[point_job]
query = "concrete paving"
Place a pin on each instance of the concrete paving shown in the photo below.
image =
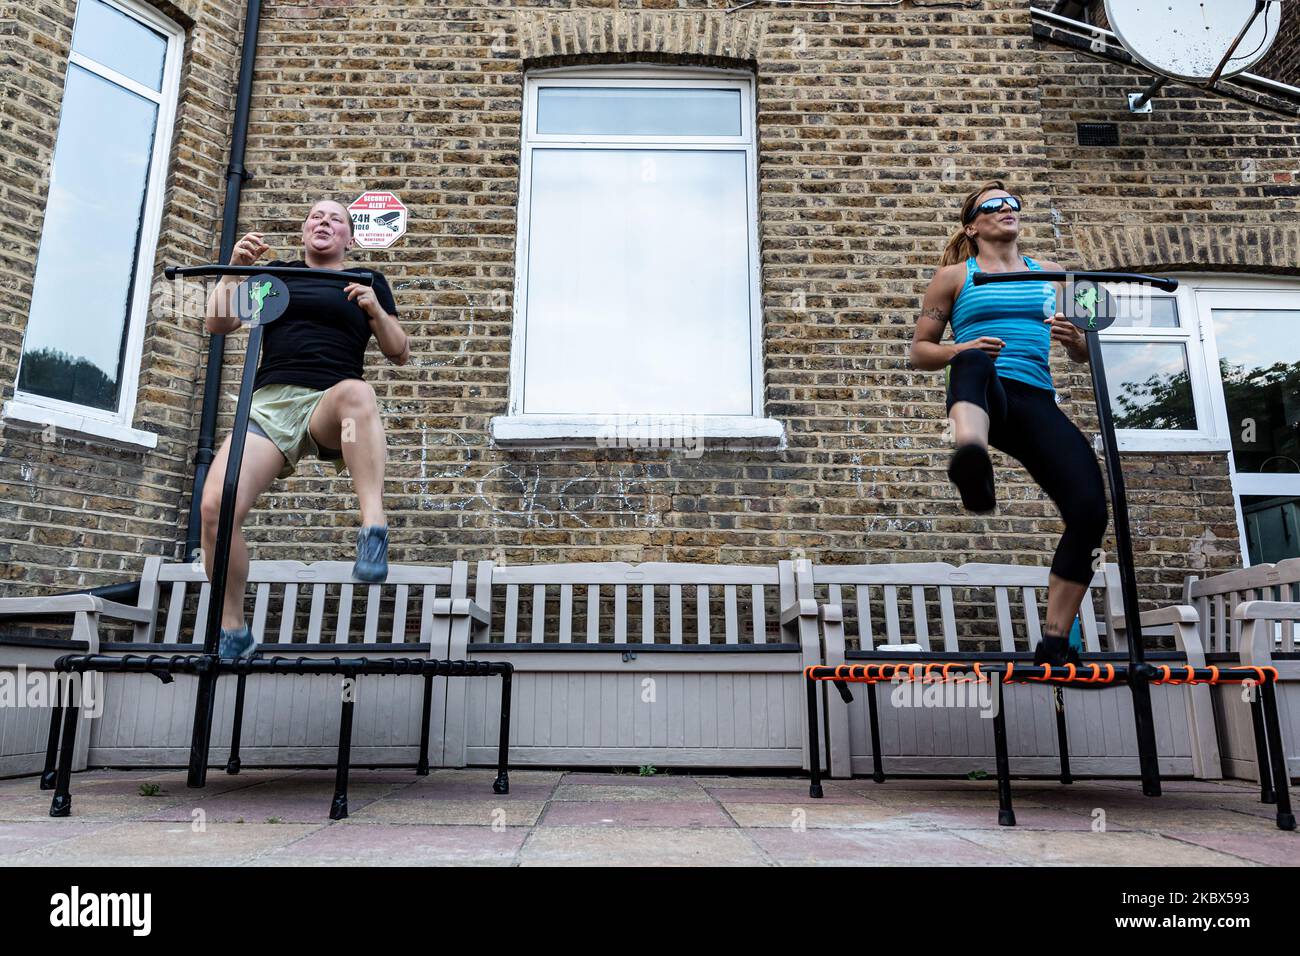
(557, 818)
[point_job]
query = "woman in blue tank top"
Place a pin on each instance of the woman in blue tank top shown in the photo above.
(1000, 392)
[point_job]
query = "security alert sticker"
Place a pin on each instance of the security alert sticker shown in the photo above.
(378, 220)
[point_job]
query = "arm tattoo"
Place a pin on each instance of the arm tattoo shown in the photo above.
(935, 312)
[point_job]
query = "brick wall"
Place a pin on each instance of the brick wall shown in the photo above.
(78, 512)
(872, 125)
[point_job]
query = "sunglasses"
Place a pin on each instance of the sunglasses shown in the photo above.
(993, 205)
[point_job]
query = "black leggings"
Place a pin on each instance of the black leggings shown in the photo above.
(1025, 422)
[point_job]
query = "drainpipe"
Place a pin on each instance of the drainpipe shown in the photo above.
(236, 174)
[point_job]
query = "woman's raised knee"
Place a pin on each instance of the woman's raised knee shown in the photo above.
(973, 360)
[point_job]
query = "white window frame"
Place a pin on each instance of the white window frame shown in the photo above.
(117, 424)
(1222, 293)
(1189, 334)
(516, 427)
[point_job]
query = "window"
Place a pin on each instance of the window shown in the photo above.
(1156, 375)
(1253, 337)
(81, 351)
(1216, 367)
(637, 294)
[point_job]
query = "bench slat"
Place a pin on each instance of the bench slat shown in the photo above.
(620, 614)
(760, 613)
(730, 614)
(866, 633)
(317, 617)
(374, 599)
(1088, 622)
(288, 611)
(648, 613)
(539, 614)
(566, 613)
(175, 609)
(919, 620)
(893, 635)
(428, 596)
(949, 618)
(1030, 598)
(1005, 632)
(344, 623)
(402, 595)
(674, 614)
(512, 614)
(702, 612)
(593, 614)
(260, 603)
(201, 614)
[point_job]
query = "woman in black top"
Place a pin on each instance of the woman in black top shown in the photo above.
(309, 397)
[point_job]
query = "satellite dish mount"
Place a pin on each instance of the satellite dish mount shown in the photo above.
(1195, 41)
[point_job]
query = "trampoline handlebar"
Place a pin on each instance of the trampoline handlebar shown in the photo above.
(1042, 275)
(217, 269)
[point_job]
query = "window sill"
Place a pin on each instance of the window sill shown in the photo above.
(80, 424)
(691, 435)
(1190, 444)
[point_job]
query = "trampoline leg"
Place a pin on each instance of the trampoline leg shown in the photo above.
(232, 764)
(1062, 739)
(201, 735)
(1261, 748)
(422, 765)
(339, 807)
(814, 752)
(1281, 783)
(52, 742)
(1006, 815)
(877, 764)
(61, 805)
(502, 782)
(1144, 721)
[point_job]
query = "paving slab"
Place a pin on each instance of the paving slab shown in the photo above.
(1041, 848)
(814, 814)
(1278, 848)
(639, 846)
(635, 813)
(604, 792)
(384, 844)
(162, 844)
(501, 811)
(784, 795)
(817, 847)
(470, 790)
(20, 837)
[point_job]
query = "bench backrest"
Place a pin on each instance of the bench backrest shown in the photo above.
(619, 603)
(1216, 596)
(947, 608)
(297, 603)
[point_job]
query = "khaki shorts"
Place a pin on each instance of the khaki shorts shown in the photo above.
(282, 414)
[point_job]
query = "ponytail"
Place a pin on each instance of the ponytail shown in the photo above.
(960, 246)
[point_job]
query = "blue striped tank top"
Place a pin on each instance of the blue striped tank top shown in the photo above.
(1013, 312)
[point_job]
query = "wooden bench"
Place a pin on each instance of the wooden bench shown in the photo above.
(688, 665)
(985, 633)
(1247, 615)
(403, 627)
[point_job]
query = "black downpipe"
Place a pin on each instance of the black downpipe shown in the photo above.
(236, 175)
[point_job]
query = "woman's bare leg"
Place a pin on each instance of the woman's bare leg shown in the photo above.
(262, 462)
(1063, 600)
(970, 424)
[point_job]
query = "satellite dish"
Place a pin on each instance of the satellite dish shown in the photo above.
(1188, 39)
